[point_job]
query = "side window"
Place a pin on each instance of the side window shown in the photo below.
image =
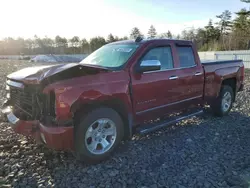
(186, 56)
(163, 54)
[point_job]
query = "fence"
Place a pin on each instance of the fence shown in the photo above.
(227, 55)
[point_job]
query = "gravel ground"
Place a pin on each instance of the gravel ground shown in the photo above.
(200, 152)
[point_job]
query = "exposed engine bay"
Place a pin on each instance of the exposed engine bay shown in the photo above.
(25, 91)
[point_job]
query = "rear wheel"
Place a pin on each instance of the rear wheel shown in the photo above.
(224, 102)
(97, 134)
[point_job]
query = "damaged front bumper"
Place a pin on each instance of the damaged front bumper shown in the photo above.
(55, 137)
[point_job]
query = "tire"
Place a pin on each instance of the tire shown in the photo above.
(88, 147)
(219, 108)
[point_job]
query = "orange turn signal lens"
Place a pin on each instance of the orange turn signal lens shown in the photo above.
(62, 105)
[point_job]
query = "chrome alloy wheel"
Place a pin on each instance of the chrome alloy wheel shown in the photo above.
(226, 101)
(100, 136)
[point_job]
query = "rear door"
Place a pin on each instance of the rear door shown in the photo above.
(191, 76)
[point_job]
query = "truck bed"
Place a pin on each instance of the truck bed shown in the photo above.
(218, 70)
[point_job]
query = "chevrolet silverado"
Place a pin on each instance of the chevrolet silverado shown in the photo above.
(123, 88)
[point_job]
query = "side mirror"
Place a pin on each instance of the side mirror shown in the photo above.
(149, 65)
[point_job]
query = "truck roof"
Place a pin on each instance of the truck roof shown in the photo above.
(148, 41)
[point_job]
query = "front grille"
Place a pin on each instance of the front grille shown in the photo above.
(29, 103)
(23, 100)
(50, 104)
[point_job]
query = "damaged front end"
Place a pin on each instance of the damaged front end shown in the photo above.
(32, 113)
(28, 102)
(39, 112)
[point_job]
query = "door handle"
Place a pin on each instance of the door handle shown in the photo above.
(173, 77)
(198, 73)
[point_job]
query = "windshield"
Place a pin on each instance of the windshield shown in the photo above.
(111, 56)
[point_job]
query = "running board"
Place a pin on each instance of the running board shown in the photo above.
(155, 126)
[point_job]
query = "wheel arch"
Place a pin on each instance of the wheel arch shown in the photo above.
(81, 108)
(232, 83)
(227, 76)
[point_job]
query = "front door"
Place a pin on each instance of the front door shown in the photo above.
(154, 91)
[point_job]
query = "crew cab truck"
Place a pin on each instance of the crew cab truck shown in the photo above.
(123, 88)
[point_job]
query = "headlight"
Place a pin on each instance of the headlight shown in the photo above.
(8, 95)
(7, 88)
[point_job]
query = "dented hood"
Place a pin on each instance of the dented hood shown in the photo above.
(52, 73)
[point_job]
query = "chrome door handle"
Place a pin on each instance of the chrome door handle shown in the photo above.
(198, 73)
(173, 77)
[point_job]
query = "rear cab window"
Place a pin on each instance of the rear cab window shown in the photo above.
(186, 56)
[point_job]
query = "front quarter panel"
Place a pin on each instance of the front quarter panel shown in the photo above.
(71, 95)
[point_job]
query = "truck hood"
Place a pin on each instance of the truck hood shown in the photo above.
(52, 73)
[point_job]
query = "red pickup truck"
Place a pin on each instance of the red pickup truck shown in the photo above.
(123, 88)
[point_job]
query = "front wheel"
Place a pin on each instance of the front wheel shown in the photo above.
(224, 102)
(97, 134)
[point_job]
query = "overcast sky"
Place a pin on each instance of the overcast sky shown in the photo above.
(26, 18)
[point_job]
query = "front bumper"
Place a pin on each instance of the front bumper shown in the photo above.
(58, 138)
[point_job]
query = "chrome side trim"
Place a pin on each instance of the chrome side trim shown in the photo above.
(14, 84)
(165, 105)
(171, 69)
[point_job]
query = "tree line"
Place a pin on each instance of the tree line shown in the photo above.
(58, 45)
(61, 45)
(225, 34)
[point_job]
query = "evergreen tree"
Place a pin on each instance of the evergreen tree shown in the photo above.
(224, 23)
(96, 43)
(246, 1)
(85, 46)
(111, 38)
(152, 32)
(169, 34)
(135, 33)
